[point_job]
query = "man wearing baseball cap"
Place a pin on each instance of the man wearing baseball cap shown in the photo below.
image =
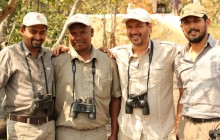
(146, 75)
(26, 74)
(198, 74)
(87, 87)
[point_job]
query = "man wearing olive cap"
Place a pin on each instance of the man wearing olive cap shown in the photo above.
(26, 74)
(197, 68)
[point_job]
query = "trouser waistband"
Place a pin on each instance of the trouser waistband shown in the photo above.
(200, 120)
(26, 119)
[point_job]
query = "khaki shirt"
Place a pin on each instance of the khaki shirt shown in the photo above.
(200, 80)
(106, 86)
(160, 121)
(15, 78)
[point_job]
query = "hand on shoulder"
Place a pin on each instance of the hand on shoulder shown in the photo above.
(60, 49)
(106, 50)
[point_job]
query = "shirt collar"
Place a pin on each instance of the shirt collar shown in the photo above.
(75, 55)
(131, 54)
(210, 42)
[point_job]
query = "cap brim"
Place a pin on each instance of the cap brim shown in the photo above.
(35, 24)
(126, 19)
(196, 15)
(69, 24)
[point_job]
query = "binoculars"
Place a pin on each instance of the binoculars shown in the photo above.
(78, 106)
(41, 103)
(214, 134)
(135, 102)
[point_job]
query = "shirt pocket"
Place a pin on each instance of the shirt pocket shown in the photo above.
(156, 74)
(102, 84)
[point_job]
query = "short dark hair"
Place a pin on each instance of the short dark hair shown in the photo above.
(205, 17)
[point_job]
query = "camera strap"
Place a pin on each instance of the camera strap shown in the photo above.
(29, 70)
(148, 74)
(93, 77)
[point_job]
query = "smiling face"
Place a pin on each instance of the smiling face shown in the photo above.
(34, 36)
(80, 36)
(194, 28)
(138, 32)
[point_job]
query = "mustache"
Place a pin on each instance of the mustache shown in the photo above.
(135, 35)
(37, 39)
(196, 30)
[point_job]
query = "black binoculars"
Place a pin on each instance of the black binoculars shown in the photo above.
(214, 134)
(135, 102)
(41, 103)
(78, 106)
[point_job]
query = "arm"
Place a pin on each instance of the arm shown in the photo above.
(115, 107)
(115, 104)
(179, 111)
(108, 51)
(5, 67)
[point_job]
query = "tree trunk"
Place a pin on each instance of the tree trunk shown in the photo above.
(113, 26)
(73, 11)
(8, 9)
(3, 29)
(3, 32)
(104, 41)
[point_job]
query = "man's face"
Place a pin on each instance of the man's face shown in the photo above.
(34, 36)
(194, 28)
(80, 36)
(138, 32)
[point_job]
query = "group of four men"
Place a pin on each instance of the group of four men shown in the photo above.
(135, 91)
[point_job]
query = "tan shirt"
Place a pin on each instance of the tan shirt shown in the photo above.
(106, 86)
(15, 79)
(160, 121)
(200, 80)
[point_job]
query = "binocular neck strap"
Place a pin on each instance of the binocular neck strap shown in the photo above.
(29, 70)
(93, 77)
(148, 74)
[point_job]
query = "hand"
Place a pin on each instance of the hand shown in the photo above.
(177, 137)
(106, 50)
(60, 49)
(176, 134)
(113, 137)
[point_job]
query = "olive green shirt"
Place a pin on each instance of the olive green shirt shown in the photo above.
(106, 86)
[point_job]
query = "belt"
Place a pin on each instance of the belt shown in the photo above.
(34, 121)
(199, 120)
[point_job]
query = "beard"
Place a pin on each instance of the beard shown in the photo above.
(197, 39)
(36, 43)
(136, 39)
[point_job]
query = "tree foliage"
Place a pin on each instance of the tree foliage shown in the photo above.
(213, 11)
(57, 12)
